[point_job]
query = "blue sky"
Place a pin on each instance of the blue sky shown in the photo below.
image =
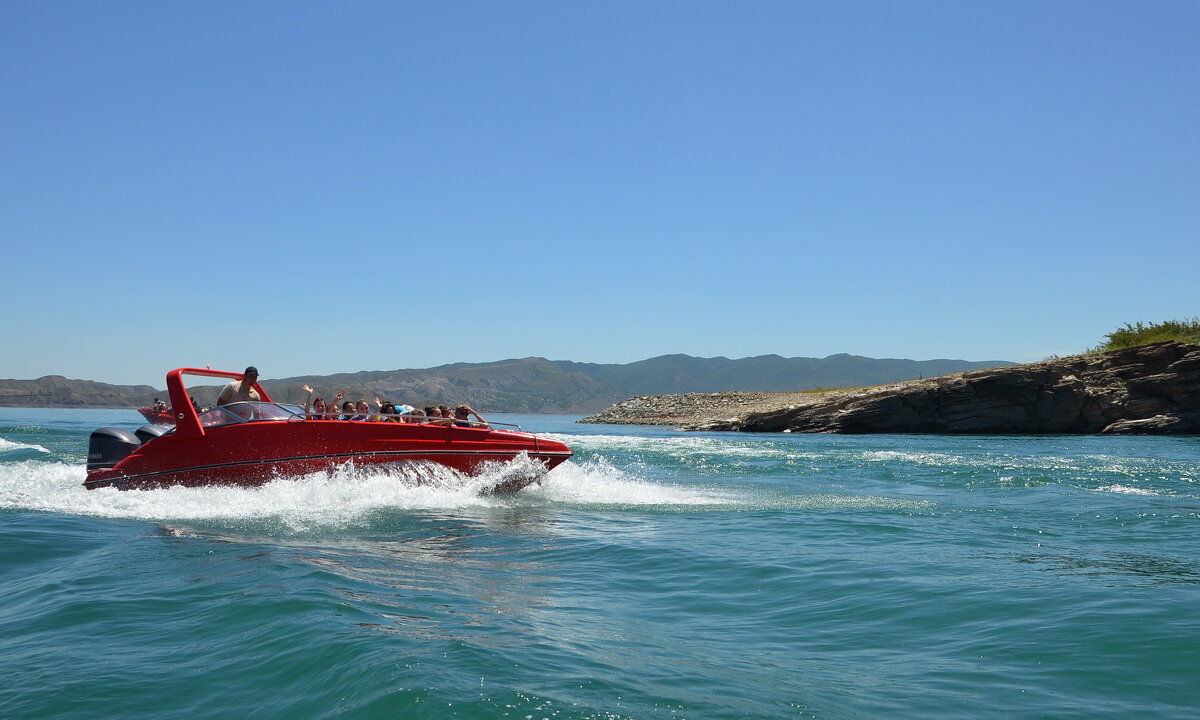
(334, 187)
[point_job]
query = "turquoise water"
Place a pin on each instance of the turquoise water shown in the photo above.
(657, 574)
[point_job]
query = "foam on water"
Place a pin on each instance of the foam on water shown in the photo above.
(598, 481)
(347, 497)
(1127, 490)
(340, 498)
(681, 445)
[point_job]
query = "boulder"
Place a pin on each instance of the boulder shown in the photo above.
(1188, 424)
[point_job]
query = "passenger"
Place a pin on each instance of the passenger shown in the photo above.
(461, 415)
(318, 409)
(416, 416)
(380, 406)
(387, 413)
(364, 411)
(240, 390)
(434, 417)
(349, 411)
(310, 404)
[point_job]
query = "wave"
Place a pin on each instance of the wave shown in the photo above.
(729, 447)
(11, 451)
(336, 497)
(24, 429)
(1128, 490)
(7, 445)
(987, 468)
(599, 482)
(356, 500)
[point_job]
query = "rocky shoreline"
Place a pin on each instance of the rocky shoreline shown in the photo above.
(1150, 389)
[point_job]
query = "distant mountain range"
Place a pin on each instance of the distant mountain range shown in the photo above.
(534, 385)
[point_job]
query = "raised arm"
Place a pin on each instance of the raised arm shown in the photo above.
(478, 417)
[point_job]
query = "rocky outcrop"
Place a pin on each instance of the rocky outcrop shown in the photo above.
(1151, 389)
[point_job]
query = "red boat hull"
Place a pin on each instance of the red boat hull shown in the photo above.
(255, 453)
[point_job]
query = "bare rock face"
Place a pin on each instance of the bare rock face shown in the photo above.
(1151, 389)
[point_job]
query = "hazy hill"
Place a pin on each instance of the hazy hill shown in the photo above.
(58, 391)
(527, 384)
(765, 373)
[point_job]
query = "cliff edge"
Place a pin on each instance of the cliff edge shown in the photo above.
(1149, 389)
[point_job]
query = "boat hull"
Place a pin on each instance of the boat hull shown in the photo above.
(253, 454)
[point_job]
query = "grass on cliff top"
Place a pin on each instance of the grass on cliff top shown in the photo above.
(1131, 335)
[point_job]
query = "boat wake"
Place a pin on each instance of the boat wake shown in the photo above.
(597, 482)
(337, 496)
(347, 498)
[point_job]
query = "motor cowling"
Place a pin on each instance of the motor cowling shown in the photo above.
(146, 433)
(109, 446)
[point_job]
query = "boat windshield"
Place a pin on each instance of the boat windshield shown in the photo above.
(240, 412)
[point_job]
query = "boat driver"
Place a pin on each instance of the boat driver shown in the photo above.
(240, 390)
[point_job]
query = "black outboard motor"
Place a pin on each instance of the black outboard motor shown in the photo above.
(109, 446)
(146, 433)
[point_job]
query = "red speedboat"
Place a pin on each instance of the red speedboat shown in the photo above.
(158, 414)
(252, 443)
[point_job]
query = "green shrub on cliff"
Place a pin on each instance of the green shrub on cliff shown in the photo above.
(1142, 334)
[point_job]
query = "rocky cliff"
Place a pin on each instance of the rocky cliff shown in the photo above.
(1151, 389)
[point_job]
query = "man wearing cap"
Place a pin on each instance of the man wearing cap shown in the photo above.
(240, 390)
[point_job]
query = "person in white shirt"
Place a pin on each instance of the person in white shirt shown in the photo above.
(240, 390)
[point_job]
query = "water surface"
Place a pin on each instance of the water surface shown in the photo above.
(657, 574)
